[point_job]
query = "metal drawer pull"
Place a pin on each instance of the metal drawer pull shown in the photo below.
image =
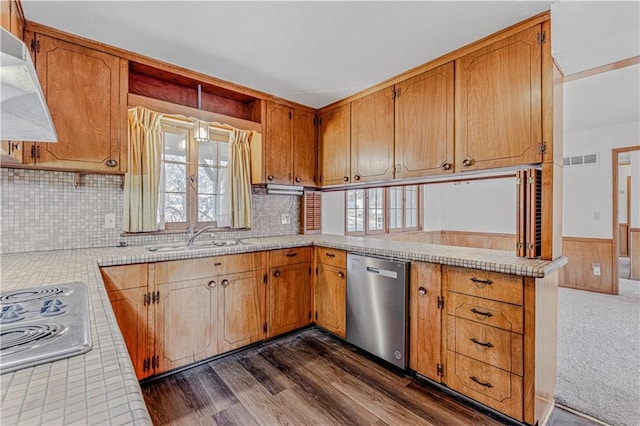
(291, 254)
(485, 384)
(477, 342)
(217, 264)
(330, 255)
(479, 281)
(225, 283)
(341, 274)
(276, 274)
(211, 284)
(486, 314)
(422, 291)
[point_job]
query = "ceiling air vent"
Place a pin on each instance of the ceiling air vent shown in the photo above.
(581, 160)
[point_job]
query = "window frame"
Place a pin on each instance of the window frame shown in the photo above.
(184, 127)
(386, 194)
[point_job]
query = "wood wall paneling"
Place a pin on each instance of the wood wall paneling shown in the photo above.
(634, 252)
(623, 238)
(582, 254)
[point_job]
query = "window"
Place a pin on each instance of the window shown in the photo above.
(194, 180)
(383, 210)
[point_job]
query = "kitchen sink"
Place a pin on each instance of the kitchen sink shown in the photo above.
(197, 245)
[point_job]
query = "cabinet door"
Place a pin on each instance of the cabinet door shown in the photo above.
(334, 137)
(82, 89)
(498, 104)
(127, 289)
(186, 326)
(289, 298)
(425, 320)
(304, 148)
(132, 315)
(242, 310)
(279, 149)
(424, 124)
(372, 128)
(331, 299)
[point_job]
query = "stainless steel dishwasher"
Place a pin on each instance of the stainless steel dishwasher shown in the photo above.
(377, 306)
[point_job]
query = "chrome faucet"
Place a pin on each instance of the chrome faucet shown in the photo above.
(192, 235)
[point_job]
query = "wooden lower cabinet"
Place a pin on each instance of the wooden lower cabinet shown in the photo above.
(127, 290)
(186, 328)
(241, 304)
(330, 298)
(290, 290)
(499, 333)
(425, 344)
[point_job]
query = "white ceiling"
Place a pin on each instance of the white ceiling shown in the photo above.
(313, 53)
(602, 100)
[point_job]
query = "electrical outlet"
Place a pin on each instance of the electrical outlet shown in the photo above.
(596, 269)
(285, 219)
(109, 221)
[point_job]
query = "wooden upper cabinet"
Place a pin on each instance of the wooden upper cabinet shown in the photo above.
(279, 151)
(498, 104)
(372, 134)
(82, 89)
(424, 124)
(334, 136)
(304, 148)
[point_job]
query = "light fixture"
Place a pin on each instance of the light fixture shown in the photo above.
(200, 128)
(23, 110)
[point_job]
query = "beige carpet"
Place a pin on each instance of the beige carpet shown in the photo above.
(599, 353)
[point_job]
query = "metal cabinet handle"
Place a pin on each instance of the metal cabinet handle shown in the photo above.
(276, 274)
(486, 314)
(446, 166)
(225, 283)
(270, 177)
(467, 162)
(330, 254)
(477, 342)
(298, 179)
(479, 281)
(485, 384)
(211, 284)
(341, 274)
(346, 178)
(294, 254)
(357, 177)
(422, 291)
(111, 163)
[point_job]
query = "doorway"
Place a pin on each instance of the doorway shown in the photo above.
(626, 220)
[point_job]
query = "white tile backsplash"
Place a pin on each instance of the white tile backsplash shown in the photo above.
(42, 210)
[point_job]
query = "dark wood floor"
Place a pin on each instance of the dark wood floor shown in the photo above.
(310, 378)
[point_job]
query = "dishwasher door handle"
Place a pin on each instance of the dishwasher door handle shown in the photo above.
(373, 270)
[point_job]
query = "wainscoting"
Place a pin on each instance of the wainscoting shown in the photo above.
(582, 254)
(494, 241)
(634, 252)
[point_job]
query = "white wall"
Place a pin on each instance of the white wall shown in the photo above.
(473, 206)
(333, 211)
(588, 206)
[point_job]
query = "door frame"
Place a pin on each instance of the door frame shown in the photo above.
(616, 225)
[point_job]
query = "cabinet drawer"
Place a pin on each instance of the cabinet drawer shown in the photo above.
(291, 256)
(488, 285)
(189, 269)
(496, 347)
(333, 257)
(124, 277)
(489, 385)
(496, 314)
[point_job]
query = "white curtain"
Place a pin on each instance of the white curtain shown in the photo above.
(240, 173)
(143, 175)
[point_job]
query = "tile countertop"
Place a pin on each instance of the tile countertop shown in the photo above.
(100, 386)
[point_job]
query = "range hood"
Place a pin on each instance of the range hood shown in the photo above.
(23, 110)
